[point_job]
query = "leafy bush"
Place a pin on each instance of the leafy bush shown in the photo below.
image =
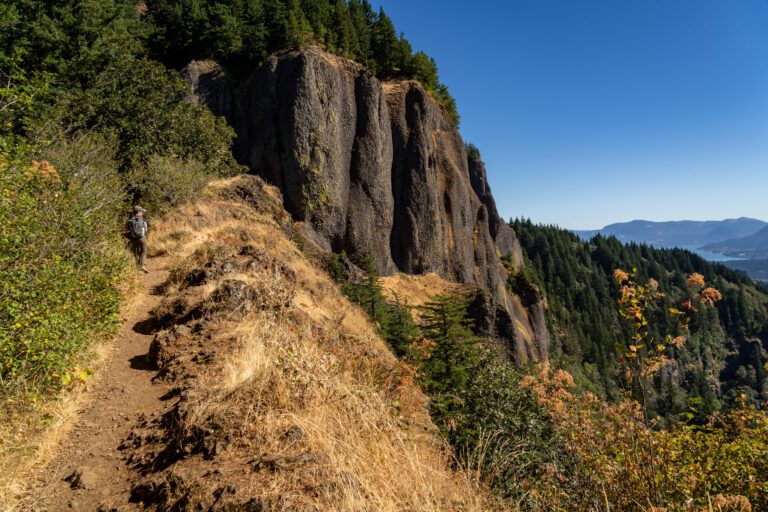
(168, 181)
(60, 263)
(627, 466)
(143, 106)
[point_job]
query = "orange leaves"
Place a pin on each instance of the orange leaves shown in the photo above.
(677, 341)
(710, 295)
(620, 276)
(552, 390)
(421, 349)
(46, 171)
(695, 280)
(615, 449)
(563, 378)
(706, 294)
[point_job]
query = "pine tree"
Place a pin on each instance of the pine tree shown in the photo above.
(385, 44)
(424, 69)
(454, 353)
(363, 17)
(398, 327)
(345, 39)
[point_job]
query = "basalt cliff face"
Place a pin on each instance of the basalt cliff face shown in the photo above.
(378, 168)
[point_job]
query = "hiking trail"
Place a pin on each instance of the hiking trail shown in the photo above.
(88, 471)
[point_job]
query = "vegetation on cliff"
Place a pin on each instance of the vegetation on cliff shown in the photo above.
(538, 440)
(241, 34)
(88, 125)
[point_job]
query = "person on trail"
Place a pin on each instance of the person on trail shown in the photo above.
(137, 234)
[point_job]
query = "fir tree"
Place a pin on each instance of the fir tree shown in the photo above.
(454, 352)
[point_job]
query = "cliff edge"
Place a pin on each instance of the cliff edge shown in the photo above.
(376, 168)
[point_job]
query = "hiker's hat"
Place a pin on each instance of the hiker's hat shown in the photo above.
(137, 209)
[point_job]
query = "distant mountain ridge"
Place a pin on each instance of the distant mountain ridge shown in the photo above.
(751, 246)
(684, 233)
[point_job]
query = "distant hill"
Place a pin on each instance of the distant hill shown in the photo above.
(684, 233)
(756, 268)
(751, 246)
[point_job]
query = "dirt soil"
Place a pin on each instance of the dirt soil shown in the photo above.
(89, 472)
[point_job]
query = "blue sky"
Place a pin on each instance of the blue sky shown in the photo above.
(589, 112)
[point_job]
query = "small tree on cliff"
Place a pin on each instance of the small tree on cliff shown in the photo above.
(368, 293)
(397, 326)
(448, 354)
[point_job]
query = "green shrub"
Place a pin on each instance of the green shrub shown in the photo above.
(168, 181)
(143, 105)
(60, 262)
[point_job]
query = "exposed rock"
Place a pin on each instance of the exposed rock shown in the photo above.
(237, 296)
(210, 271)
(284, 462)
(163, 348)
(294, 433)
(210, 86)
(234, 295)
(262, 197)
(502, 233)
(373, 168)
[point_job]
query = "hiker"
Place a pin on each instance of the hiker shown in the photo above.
(137, 234)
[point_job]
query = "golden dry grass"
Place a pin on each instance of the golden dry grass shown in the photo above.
(363, 438)
(416, 290)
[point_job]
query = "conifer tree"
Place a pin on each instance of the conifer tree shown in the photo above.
(398, 327)
(385, 44)
(454, 352)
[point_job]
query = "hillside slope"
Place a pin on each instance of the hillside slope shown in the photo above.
(727, 345)
(683, 233)
(277, 393)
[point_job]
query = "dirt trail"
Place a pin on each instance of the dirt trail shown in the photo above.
(122, 394)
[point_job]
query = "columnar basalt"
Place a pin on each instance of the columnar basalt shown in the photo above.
(376, 168)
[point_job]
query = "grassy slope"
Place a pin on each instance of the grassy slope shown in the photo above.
(360, 433)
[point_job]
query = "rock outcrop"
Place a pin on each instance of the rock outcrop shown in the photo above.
(375, 168)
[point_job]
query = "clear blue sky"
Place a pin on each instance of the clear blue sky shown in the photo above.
(589, 112)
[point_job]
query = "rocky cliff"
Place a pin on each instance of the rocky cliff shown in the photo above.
(378, 168)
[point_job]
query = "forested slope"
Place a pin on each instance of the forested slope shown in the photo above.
(725, 353)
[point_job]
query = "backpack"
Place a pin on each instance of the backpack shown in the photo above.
(137, 227)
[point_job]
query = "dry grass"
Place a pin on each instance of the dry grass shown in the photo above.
(319, 414)
(29, 442)
(418, 289)
(315, 406)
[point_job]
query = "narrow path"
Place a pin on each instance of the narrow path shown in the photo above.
(122, 394)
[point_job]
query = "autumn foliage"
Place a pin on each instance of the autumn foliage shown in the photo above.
(724, 461)
(624, 459)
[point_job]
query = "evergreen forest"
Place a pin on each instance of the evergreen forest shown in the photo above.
(723, 358)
